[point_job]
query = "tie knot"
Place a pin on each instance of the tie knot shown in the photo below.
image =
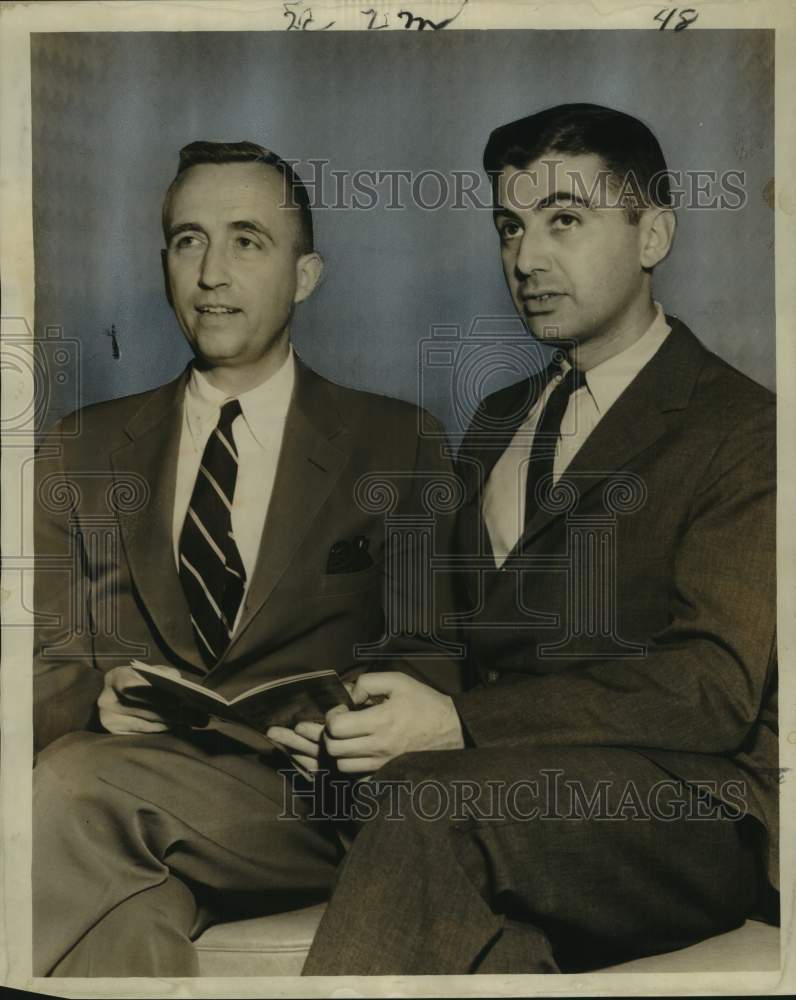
(229, 411)
(572, 381)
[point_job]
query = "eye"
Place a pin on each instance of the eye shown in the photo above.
(246, 243)
(565, 220)
(185, 242)
(509, 230)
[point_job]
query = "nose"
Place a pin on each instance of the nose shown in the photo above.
(533, 254)
(214, 272)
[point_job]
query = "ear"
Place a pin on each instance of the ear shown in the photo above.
(309, 268)
(656, 230)
(164, 261)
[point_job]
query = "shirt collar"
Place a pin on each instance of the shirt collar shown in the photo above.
(607, 381)
(262, 407)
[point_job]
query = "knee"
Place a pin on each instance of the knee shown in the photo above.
(69, 770)
(74, 751)
(423, 787)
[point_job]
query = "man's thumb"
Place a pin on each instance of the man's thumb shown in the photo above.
(383, 683)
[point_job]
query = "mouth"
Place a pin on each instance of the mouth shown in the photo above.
(540, 301)
(216, 310)
(541, 296)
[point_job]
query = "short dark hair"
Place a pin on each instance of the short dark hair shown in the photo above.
(628, 148)
(203, 151)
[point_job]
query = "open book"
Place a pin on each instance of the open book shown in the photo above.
(305, 697)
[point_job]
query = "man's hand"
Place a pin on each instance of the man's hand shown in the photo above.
(411, 717)
(300, 744)
(125, 703)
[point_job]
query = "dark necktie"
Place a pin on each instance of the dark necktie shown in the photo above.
(545, 438)
(211, 570)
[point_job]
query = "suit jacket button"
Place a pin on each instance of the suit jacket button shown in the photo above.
(492, 676)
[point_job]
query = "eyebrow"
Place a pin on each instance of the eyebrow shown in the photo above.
(567, 197)
(554, 198)
(183, 227)
(253, 224)
(239, 225)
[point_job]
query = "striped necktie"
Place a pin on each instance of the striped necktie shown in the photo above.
(545, 438)
(211, 570)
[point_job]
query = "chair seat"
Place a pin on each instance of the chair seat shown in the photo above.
(277, 946)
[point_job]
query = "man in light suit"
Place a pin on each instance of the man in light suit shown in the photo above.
(620, 747)
(227, 526)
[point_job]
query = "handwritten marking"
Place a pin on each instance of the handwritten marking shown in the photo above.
(373, 14)
(301, 21)
(302, 18)
(425, 22)
(114, 342)
(687, 16)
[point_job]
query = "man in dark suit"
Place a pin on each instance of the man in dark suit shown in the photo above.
(620, 745)
(229, 526)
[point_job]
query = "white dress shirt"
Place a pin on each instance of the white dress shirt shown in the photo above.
(258, 433)
(504, 496)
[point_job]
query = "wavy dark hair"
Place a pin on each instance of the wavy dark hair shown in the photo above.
(628, 148)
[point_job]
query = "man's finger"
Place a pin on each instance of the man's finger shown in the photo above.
(108, 703)
(362, 723)
(337, 710)
(310, 730)
(123, 725)
(123, 678)
(302, 760)
(277, 733)
(290, 739)
(357, 695)
(378, 683)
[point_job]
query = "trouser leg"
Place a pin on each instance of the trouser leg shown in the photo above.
(119, 820)
(150, 930)
(535, 886)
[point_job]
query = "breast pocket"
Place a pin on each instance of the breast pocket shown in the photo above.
(334, 584)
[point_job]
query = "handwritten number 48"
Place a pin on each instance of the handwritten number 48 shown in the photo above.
(687, 16)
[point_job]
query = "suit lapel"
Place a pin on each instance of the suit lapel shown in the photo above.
(632, 424)
(152, 454)
(493, 427)
(311, 459)
(491, 432)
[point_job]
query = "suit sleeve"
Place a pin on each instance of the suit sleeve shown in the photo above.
(703, 680)
(419, 598)
(66, 683)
